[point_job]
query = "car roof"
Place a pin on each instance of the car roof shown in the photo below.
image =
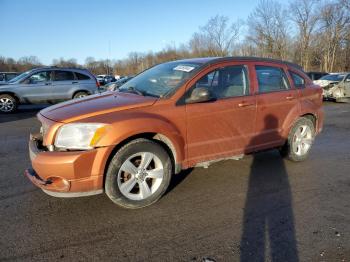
(212, 60)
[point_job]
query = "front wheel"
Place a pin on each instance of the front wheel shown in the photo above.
(139, 174)
(300, 140)
(8, 104)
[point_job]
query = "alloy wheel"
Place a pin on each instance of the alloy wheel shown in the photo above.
(140, 176)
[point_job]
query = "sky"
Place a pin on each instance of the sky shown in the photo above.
(104, 29)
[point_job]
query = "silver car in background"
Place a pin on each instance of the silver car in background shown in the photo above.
(46, 85)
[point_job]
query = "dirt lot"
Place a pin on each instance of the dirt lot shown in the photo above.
(257, 208)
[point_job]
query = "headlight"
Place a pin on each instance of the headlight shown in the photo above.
(80, 135)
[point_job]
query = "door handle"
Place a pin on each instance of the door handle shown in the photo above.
(290, 97)
(245, 104)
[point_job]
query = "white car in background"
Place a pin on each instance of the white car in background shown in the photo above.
(330, 79)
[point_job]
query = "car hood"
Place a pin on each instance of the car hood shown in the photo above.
(93, 105)
(324, 83)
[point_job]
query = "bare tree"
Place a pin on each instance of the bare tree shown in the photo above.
(333, 31)
(268, 29)
(216, 38)
(303, 13)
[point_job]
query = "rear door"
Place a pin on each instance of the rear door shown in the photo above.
(277, 102)
(64, 84)
(86, 82)
(36, 88)
(223, 127)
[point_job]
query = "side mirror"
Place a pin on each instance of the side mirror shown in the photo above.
(200, 94)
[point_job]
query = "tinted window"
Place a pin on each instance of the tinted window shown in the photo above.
(298, 81)
(40, 77)
(63, 76)
(2, 77)
(81, 76)
(271, 79)
(225, 82)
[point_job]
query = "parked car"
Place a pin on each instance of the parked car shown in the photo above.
(330, 79)
(105, 79)
(316, 75)
(46, 85)
(113, 86)
(7, 76)
(339, 92)
(171, 117)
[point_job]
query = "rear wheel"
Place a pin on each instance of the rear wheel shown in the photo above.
(8, 104)
(80, 94)
(299, 141)
(138, 174)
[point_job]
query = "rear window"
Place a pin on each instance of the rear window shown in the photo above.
(299, 82)
(63, 76)
(81, 76)
(271, 79)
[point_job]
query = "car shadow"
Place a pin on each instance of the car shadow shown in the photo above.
(178, 179)
(268, 220)
(23, 112)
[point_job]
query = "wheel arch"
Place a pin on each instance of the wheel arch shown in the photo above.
(11, 94)
(161, 139)
(80, 90)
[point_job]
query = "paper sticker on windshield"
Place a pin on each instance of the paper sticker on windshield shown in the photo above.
(184, 68)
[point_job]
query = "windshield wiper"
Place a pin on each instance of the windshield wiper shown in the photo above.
(134, 90)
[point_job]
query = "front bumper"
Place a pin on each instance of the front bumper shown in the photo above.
(67, 174)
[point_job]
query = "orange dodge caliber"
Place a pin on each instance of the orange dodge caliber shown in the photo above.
(171, 117)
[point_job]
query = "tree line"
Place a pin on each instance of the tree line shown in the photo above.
(312, 33)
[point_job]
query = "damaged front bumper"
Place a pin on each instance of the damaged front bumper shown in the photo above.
(66, 174)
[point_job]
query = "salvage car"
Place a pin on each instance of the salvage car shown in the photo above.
(339, 92)
(171, 117)
(46, 85)
(330, 79)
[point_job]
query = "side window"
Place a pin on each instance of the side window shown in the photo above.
(63, 76)
(230, 81)
(2, 77)
(299, 82)
(81, 76)
(271, 79)
(39, 77)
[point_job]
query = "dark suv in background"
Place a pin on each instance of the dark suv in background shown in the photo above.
(46, 85)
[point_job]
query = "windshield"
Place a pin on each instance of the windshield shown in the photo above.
(161, 79)
(20, 77)
(333, 77)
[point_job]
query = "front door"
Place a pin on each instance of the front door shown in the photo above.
(37, 88)
(223, 127)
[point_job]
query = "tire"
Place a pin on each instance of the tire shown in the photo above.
(8, 104)
(133, 186)
(300, 139)
(80, 94)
